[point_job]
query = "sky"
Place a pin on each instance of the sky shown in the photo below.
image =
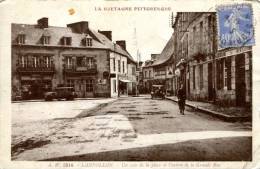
(153, 29)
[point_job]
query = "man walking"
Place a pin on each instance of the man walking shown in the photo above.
(181, 99)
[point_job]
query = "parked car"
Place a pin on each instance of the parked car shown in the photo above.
(158, 91)
(59, 93)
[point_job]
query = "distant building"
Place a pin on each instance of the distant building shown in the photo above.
(160, 69)
(44, 57)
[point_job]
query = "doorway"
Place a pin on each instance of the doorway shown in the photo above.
(210, 84)
(240, 80)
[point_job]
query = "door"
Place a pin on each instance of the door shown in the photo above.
(240, 80)
(210, 84)
(89, 88)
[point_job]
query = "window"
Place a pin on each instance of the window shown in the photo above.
(45, 40)
(194, 38)
(47, 61)
(145, 74)
(119, 66)
(90, 62)
(123, 66)
(69, 62)
(66, 41)
(201, 76)
(227, 73)
(194, 78)
(24, 61)
(36, 61)
(114, 64)
(89, 42)
(133, 70)
(89, 85)
(209, 22)
(80, 61)
(210, 32)
(150, 76)
(21, 39)
(201, 35)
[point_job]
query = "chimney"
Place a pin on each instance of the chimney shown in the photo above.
(121, 43)
(108, 34)
(43, 23)
(79, 27)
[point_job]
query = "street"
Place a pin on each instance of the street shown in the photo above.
(122, 129)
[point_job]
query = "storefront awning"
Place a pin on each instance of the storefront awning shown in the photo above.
(124, 80)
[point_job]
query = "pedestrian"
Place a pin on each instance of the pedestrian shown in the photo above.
(181, 99)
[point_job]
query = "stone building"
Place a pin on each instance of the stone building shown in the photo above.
(207, 72)
(44, 57)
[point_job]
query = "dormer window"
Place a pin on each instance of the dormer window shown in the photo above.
(87, 41)
(66, 41)
(21, 39)
(46, 40)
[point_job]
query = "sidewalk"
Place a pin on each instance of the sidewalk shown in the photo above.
(225, 113)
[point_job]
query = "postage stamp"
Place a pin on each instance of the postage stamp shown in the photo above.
(235, 25)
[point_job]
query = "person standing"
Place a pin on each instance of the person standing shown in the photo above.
(181, 99)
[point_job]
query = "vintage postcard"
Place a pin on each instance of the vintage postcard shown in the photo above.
(129, 84)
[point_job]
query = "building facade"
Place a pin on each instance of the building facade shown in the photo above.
(45, 57)
(209, 73)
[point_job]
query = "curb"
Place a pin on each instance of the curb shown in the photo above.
(221, 116)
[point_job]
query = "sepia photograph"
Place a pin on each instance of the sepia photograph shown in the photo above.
(136, 82)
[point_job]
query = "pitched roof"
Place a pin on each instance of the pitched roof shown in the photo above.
(111, 45)
(34, 35)
(166, 53)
